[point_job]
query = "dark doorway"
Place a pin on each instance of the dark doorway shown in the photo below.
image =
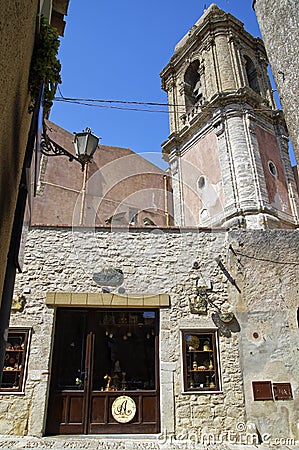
(100, 355)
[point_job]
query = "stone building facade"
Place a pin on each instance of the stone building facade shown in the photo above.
(258, 345)
(282, 50)
(196, 329)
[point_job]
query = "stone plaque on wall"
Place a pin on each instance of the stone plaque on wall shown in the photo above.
(109, 277)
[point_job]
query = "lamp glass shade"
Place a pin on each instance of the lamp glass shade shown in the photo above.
(85, 145)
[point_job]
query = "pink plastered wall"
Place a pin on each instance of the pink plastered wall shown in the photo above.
(276, 185)
(202, 160)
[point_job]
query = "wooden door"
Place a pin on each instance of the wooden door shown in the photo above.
(90, 344)
(68, 391)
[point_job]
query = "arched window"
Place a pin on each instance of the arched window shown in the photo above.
(192, 85)
(252, 75)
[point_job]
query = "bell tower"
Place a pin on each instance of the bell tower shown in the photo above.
(228, 144)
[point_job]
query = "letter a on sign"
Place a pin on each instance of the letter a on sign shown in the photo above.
(123, 409)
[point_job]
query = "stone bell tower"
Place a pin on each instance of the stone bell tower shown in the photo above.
(228, 144)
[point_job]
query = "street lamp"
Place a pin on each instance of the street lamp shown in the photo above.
(85, 144)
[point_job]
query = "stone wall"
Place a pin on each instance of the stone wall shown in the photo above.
(265, 267)
(117, 183)
(279, 24)
(17, 31)
(161, 261)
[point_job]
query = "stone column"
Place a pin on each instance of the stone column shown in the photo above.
(177, 186)
(233, 42)
(172, 102)
(225, 158)
(224, 63)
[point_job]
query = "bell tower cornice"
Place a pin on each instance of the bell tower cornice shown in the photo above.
(230, 104)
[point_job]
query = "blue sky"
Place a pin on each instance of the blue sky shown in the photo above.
(115, 50)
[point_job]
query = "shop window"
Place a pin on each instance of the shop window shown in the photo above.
(126, 350)
(200, 361)
(120, 356)
(16, 358)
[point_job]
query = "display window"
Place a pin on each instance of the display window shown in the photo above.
(15, 362)
(123, 350)
(200, 361)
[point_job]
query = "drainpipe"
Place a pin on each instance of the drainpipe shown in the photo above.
(166, 200)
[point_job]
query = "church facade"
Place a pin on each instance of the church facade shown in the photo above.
(159, 304)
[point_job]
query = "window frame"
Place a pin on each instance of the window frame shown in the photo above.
(26, 331)
(272, 168)
(252, 75)
(212, 334)
(191, 79)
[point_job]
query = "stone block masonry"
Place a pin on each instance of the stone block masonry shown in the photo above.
(160, 261)
(279, 24)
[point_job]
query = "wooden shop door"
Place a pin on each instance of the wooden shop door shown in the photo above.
(100, 356)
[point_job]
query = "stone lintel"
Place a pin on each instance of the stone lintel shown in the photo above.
(99, 300)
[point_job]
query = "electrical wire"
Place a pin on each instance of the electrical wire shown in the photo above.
(110, 101)
(101, 103)
(123, 108)
(59, 90)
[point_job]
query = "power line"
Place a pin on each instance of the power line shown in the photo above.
(94, 105)
(101, 103)
(93, 100)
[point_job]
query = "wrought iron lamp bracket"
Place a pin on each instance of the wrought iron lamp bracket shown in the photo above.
(51, 148)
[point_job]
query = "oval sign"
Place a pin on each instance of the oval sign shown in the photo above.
(123, 409)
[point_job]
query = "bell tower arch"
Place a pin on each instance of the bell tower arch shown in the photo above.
(227, 147)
